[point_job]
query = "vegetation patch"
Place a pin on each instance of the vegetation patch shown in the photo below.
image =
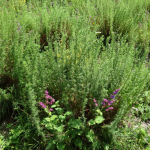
(74, 74)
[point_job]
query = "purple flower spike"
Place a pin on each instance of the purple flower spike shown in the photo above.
(94, 100)
(112, 96)
(107, 109)
(115, 92)
(110, 102)
(96, 104)
(42, 105)
(46, 92)
(49, 102)
(103, 103)
(48, 97)
(53, 101)
(105, 100)
(51, 109)
(118, 90)
(110, 107)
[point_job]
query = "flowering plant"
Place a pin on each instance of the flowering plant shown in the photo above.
(47, 97)
(106, 103)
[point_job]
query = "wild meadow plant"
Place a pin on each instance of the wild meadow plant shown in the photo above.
(86, 51)
(106, 102)
(47, 102)
(68, 129)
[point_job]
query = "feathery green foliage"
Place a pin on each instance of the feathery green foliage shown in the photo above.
(78, 51)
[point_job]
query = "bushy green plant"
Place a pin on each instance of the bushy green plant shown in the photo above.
(63, 126)
(78, 51)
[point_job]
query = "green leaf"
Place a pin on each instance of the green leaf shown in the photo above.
(61, 146)
(49, 126)
(53, 106)
(147, 93)
(62, 118)
(59, 110)
(136, 106)
(72, 132)
(80, 132)
(78, 142)
(51, 145)
(53, 117)
(16, 132)
(99, 119)
(91, 136)
(98, 110)
(50, 113)
(57, 103)
(60, 128)
(47, 119)
(91, 122)
(75, 123)
(68, 113)
(143, 131)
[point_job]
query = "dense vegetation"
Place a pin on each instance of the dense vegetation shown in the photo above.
(74, 74)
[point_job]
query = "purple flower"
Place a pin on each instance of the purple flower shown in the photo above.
(110, 102)
(94, 100)
(46, 92)
(107, 109)
(103, 103)
(115, 92)
(48, 97)
(118, 89)
(96, 104)
(19, 28)
(51, 109)
(105, 100)
(52, 100)
(110, 107)
(42, 105)
(112, 96)
(47, 102)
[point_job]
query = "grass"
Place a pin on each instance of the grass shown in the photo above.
(79, 51)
